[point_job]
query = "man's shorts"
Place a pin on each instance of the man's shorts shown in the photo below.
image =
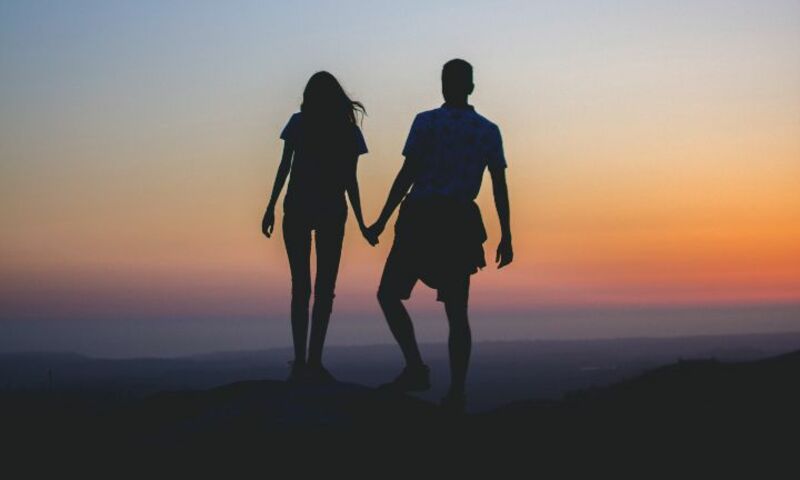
(438, 241)
(399, 278)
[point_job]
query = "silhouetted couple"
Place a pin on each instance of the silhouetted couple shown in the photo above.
(439, 233)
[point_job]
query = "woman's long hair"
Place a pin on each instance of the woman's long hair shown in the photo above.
(329, 130)
(325, 101)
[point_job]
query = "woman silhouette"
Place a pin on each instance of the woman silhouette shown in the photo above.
(322, 144)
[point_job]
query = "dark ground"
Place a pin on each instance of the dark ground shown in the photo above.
(729, 416)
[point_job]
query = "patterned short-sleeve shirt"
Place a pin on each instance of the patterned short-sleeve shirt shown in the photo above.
(453, 146)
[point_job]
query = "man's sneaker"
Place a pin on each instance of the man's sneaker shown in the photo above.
(319, 375)
(454, 402)
(297, 372)
(411, 379)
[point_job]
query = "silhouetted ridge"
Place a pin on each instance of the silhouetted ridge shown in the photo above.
(270, 404)
(703, 404)
(715, 401)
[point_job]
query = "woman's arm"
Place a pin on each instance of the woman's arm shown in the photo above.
(268, 222)
(355, 200)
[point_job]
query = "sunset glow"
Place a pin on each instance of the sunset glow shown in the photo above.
(653, 149)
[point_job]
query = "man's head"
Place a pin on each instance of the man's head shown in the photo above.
(457, 81)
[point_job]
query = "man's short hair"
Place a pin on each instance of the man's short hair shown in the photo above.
(457, 71)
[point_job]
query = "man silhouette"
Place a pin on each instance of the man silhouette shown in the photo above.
(439, 232)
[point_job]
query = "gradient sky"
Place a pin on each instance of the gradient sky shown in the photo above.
(653, 149)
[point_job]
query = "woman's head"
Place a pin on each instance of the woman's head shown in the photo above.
(324, 98)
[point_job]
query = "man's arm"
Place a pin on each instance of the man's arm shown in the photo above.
(505, 254)
(402, 183)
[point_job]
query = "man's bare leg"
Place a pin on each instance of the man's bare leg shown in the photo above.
(401, 327)
(459, 344)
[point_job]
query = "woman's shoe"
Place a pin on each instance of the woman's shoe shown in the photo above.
(297, 372)
(319, 375)
(454, 402)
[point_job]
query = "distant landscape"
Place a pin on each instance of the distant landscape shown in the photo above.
(501, 373)
(717, 400)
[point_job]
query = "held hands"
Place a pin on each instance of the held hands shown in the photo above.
(373, 232)
(368, 234)
(505, 254)
(268, 222)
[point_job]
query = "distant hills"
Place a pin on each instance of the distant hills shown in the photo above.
(501, 372)
(700, 405)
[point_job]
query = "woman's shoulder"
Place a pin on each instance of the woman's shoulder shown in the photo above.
(361, 144)
(296, 117)
(290, 131)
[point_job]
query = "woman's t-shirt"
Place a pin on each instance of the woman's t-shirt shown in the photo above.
(324, 160)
